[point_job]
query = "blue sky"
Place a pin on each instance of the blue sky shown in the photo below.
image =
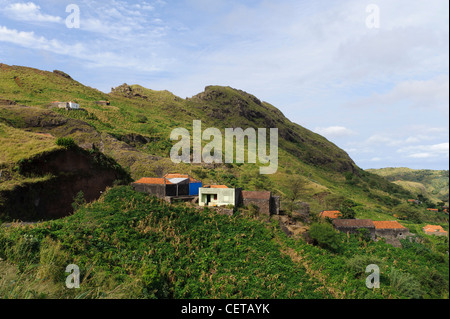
(381, 94)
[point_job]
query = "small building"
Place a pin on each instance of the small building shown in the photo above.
(332, 214)
(432, 210)
(218, 195)
(391, 230)
(414, 201)
(353, 226)
(267, 204)
(66, 105)
(171, 185)
(435, 230)
(194, 184)
(104, 103)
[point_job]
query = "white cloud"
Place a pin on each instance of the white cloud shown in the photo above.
(100, 58)
(425, 94)
(426, 151)
(334, 131)
(29, 12)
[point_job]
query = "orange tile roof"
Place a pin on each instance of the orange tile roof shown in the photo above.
(411, 200)
(433, 209)
(151, 180)
(215, 186)
(388, 225)
(434, 228)
(330, 214)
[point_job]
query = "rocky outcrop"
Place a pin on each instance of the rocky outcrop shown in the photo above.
(128, 91)
(64, 75)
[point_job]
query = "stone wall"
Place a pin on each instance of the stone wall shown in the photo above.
(393, 233)
(263, 204)
(153, 189)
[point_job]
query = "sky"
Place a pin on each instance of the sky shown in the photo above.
(371, 76)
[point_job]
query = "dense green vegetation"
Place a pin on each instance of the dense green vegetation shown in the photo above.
(132, 245)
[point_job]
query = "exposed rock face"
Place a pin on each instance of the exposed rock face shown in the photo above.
(61, 73)
(74, 170)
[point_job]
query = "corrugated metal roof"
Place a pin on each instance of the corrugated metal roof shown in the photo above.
(191, 179)
(177, 180)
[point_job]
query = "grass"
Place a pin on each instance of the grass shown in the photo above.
(18, 144)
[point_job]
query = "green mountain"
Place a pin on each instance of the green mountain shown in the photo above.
(78, 164)
(431, 184)
(134, 129)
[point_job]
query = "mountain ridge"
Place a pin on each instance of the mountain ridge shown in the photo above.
(135, 126)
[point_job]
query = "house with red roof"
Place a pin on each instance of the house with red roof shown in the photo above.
(171, 185)
(391, 229)
(353, 226)
(435, 230)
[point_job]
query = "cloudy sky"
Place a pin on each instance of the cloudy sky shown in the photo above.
(371, 76)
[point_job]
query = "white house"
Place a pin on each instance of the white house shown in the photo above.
(73, 105)
(66, 105)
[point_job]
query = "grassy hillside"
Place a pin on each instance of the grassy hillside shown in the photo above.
(432, 184)
(131, 245)
(135, 129)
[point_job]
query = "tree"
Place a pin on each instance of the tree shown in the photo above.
(66, 142)
(295, 187)
(347, 210)
(408, 212)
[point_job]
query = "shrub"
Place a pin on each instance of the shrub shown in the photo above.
(406, 284)
(141, 118)
(359, 263)
(325, 236)
(66, 142)
(78, 201)
(52, 260)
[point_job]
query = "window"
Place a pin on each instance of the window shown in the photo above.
(215, 196)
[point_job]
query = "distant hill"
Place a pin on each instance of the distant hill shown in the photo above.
(433, 184)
